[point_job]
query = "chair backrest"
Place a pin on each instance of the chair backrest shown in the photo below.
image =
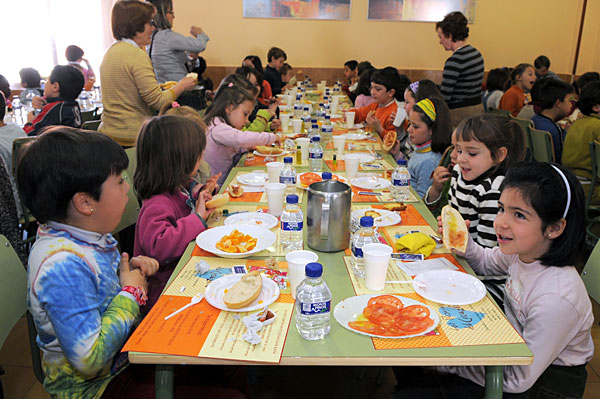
(502, 112)
(591, 274)
(91, 125)
(88, 115)
(595, 157)
(132, 209)
(26, 218)
(542, 147)
(526, 126)
(13, 289)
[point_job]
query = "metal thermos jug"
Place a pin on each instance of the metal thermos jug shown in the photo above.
(328, 216)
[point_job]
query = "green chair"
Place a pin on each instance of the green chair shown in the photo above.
(132, 209)
(132, 165)
(26, 219)
(526, 126)
(542, 147)
(89, 115)
(501, 112)
(592, 212)
(91, 125)
(591, 274)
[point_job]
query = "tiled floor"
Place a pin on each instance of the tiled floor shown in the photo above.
(267, 382)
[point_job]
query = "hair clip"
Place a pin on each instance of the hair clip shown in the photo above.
(175, 104)
(230, 84)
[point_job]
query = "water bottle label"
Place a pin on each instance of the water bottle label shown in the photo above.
(292, 226)
(357, 252)
(315, 308)
(287, 179)
(401, 182)
(315, 155)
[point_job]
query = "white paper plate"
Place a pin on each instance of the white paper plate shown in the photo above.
(253, 179)
(216, 290)
(355, 136)
(351, 308)
(208, 239)
(370, 183)
(387, 218)
(365, 157)
(300, 185)
(255, 152)
(252, 219)
(449, 287)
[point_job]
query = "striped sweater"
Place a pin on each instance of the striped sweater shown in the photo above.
(477, 201)
(463, 75)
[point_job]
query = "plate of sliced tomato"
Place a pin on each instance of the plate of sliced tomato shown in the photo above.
(308, 178)
(386, 316)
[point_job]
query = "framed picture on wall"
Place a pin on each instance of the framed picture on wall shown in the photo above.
(302, 9)
(419, 10)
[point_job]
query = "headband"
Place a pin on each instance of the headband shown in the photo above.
(427, 106)
(568, 190)
(414, 86)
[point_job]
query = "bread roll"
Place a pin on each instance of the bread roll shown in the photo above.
(455, 231)
(245, 291)
(217, 201)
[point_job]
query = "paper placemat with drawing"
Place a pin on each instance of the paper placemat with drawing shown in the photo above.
(255, 193)
(203, 330)
(364, 195)
(393, 233)
(375, 165)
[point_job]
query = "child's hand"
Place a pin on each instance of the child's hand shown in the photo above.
(129, 276)
(278, 140)
(211, 184)
(201, 210)
(393, 116)
(30, 116)
(275, 124)
(148, 266)
(273, 108)
(38, 102)
(373, 122)
(440, 175)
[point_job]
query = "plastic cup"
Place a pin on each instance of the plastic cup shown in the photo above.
(297, 260)
(349, 119)
(285, 122)
(290, 99)
(273, 170)
(352, 161)
(297, 126)
(377, 260)
(303, 142)
(339, 142)
(275, 194)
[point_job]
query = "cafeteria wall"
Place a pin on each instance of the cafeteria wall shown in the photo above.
(507, 32)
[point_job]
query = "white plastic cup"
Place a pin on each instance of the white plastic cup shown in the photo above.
(273, 171)
(349, 119)
(335, 103)
(285, 122)
(352, 161)
(275, 194)
(339, 142)
(297, 126)
(304, 143)
(377, 259)
(290, 99)
(297, 260)
(324, 83)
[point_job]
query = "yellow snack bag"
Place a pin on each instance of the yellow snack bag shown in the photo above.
(415, 243)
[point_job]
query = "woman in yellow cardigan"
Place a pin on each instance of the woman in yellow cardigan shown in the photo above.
(130, 92)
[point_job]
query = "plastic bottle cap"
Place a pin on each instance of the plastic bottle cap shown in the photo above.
(291, 199)
(225, 212)
(288, 160)
(316, 138)
(366, 221)
(326, 175)
(313, 269)
(315, 126)
(402, 162)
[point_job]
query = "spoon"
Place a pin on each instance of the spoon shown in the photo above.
(195, 299)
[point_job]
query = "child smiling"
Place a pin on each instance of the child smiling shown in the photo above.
(523, 78)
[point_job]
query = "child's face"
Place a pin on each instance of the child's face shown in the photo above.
(474, 158)
(238, 115)
(418, 132)
(51, 89)
(526, 79)
(409, 101)
(543, 71)
(287, 76)
(109, 209)
(349, 73)
(381, 94)
(519, 228)
(454, 152)
(565, 105)
(277, 62)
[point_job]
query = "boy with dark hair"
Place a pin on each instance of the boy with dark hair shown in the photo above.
(59, 104)
(275, 57)
(542, 68)
(30, 80)
(555, 100)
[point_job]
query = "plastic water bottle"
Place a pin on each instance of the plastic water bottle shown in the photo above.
(83, 101)
(29, 100)
(287, 175)
(365, 235)
(17, 111)
(313, 131)
(297, 110)
(292, 221)
(313, 304)
(400, 182)
(327, 130)
(315, 155)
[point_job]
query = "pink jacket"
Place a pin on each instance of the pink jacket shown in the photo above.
(225, 142)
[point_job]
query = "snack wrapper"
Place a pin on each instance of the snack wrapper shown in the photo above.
(415, 243)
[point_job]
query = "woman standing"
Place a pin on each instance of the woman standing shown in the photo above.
(130, 92)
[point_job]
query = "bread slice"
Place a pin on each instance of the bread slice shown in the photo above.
(245, 291)
(395, 207)
(266, 150)
(455, 231)
(217, 201)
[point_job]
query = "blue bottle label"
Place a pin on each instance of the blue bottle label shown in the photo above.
(315, 308)
(357, 252)
(401, 182)
(315, 155)
(287, 179)
(292, 226)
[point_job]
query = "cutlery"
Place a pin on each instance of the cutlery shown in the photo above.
(368, 193)
(195, 299)
(420, 284)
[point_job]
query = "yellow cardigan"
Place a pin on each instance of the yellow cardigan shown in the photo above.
(130, 92)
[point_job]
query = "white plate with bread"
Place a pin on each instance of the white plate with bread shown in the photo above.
(208, 239)
(381, 217)
(242, 292)
(252, 218)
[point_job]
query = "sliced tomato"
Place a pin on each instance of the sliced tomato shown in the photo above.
(415, 312)
(367, 327)
(309, 178)
(338, 178)
(381, 314)
(409, 326)
(387, 300)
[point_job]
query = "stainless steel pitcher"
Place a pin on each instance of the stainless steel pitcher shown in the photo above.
(328, 216)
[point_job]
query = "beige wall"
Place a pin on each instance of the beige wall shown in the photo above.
(507, 32)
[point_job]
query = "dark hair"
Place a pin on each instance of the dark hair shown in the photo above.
(454, 26)
(255, 59)
(5, 87)
(245, 71)
(352, 64)
(541, 62)
(227, 95)
(130, 17)
(542, 187)
(362, 66)
(585, 79)
(168, 147)
(70, 80)
(73, 53)
(241, 81)
(495, 131)
(391, 79)
(496, 79)
(590, 97)
(285, 68)
(61, 162)
(364, 82)
(441, 128)
(274, 53)
(163, 7)
(30, 77)
(518, 71)
(427, 89)
(552, 90)
(2, 107)
(201, 68)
